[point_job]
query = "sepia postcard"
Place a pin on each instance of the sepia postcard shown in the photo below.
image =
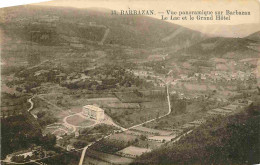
(130, 82)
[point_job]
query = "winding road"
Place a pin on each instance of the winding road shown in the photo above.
(68, 125)
(31, 107)
(104, 37)
(123, 130)
(74, 127)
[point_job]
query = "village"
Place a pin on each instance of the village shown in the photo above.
(141, 139)
(82, 86)
(138, 139)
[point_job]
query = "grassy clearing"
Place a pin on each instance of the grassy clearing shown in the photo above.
(123, 137)
(193, 111)
(130, 97)
(140, 108)
(79, 121)
(195, 87)
(127, 117)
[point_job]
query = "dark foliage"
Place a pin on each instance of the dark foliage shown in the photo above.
(231, 140)
(18, 132)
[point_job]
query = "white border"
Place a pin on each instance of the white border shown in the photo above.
(9, 3)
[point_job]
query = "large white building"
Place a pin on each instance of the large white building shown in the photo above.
(93, 112)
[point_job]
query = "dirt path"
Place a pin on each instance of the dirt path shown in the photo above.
(66, 124)
(123, 129)
(104, 37)
(31, 107)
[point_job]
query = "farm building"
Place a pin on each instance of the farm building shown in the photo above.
(93, 112)
(133, 151)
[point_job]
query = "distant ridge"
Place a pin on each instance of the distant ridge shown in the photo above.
(255, 36)
(133, 31)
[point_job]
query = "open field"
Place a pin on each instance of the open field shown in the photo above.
(150, 131)
(129, 116)
(105, 158)
(102, 100)
(58, 129)
(123, 113)
(123, 137)
(119, 105)
(173, 121)
(78, 120)
(59, 132)
(198, 87)
(130, 97)
(133, 151)
(147, 144)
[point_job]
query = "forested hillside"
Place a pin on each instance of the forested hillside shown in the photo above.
(231, 140)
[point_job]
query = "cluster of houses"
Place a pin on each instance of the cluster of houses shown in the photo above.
(212, 77)
(150, 76)
(230, 76)
(218, 76)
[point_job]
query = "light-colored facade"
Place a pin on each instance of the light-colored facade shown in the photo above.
(93, 112)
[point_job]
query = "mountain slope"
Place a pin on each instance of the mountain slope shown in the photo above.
(255, 36)
(236, 48)
(89, 25)
(231, 140)
(238, 30)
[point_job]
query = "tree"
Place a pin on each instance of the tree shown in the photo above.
(18, 159)
(19, 89)
(143, 137)
(138, 93)
(49, 140)
(41, 114)
(79, 144)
